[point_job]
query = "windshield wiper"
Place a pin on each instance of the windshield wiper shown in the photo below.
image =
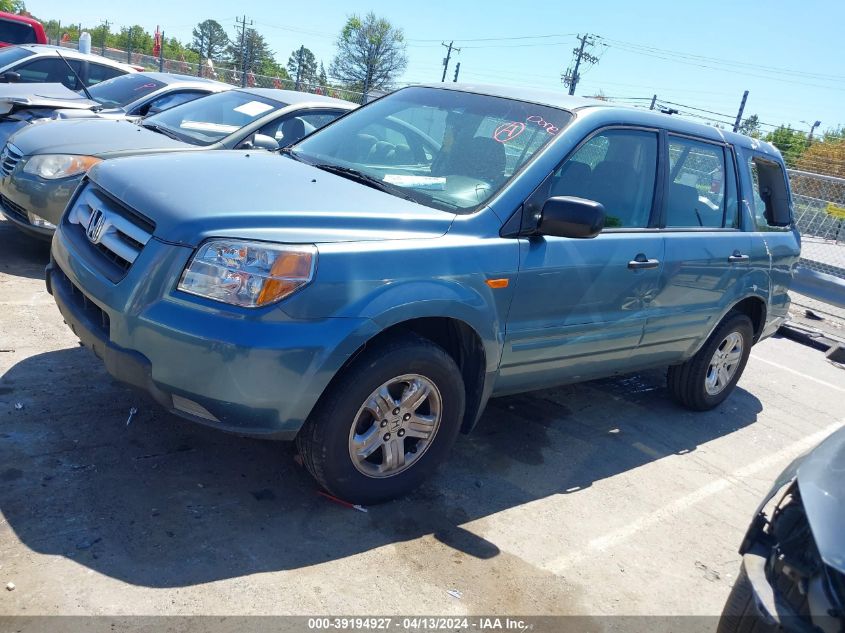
(161, 130)
(357, 176)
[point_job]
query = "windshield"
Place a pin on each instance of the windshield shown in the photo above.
(123, 90)
(443, 148)
(17, 32)
(13, 54)
(212, 118)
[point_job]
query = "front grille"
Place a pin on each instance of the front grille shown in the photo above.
(9, 159)
(15, 210)
(96, 316)
(795, 558)
(112, 235)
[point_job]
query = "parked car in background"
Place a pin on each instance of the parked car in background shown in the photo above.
(36, 63)
(20, 29)
(130, 96)
(41, 165)
(793, 557)
(367, 292)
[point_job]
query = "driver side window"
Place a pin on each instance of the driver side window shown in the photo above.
(617, 168)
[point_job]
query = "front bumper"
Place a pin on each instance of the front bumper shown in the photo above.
(21, 193)
(256, 374)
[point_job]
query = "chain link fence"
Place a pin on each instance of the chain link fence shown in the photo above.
(820, 216)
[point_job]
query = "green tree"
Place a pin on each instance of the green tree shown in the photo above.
(370, 53)
(12, 6)
(302, 67)
(790, 142)
(136, 38)
(751, 126)
(210, 39)
(322, 79)
(256, 56)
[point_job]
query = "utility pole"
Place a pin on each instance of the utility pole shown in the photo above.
(741, 110)
(106, 25)
(129, 47)
(812, 130)
(572, 77)
(202, 47)
(243, 24)
(161, 54)
(457, 70)
(450, 46)
(299, 66)
(653, 101)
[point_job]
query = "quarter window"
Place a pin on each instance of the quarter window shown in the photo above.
(616, 168)
(696, 197)
(770, 195)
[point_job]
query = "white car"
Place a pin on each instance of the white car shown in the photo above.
(39, 63)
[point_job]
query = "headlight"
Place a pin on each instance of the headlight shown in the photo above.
(53, 166)
(249, 274)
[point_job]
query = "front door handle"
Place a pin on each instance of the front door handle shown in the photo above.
(641, 262)
(738, 257)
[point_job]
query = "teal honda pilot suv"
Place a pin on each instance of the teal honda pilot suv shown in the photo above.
(366, 291)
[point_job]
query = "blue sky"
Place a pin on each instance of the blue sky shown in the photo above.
(701, 55)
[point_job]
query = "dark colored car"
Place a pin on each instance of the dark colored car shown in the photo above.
(41, 165)
(793, 556)
(20, 29)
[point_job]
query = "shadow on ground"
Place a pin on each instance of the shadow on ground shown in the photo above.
(21, 255)
(165, 503)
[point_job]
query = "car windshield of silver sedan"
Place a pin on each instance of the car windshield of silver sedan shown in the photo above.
(123, 90)
(210, 119)
(446, 149)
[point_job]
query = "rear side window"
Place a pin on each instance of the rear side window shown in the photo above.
(698, 192)
(770, 195)
(616, 168)
(14, 32)
(99, 72)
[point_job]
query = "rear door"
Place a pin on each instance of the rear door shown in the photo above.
(580, 306)
(707, 252)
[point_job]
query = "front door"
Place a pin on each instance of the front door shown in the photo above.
(580, 306)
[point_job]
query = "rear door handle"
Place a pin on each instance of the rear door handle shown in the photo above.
(641, 262)
(738, 257)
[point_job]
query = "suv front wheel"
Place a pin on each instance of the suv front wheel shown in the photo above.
(386, 422)
(706, 379)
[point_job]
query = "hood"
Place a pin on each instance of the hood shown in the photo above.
(91, 137)
(821, 480)
(259, 195)
(18, 96)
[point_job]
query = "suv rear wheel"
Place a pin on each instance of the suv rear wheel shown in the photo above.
(706, 379)
(386, 423)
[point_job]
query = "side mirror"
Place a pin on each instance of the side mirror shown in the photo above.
(11, 77)
(260, 141)
(567, 216)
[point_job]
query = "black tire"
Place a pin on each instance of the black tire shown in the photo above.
(686, 382)
(323, 442)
